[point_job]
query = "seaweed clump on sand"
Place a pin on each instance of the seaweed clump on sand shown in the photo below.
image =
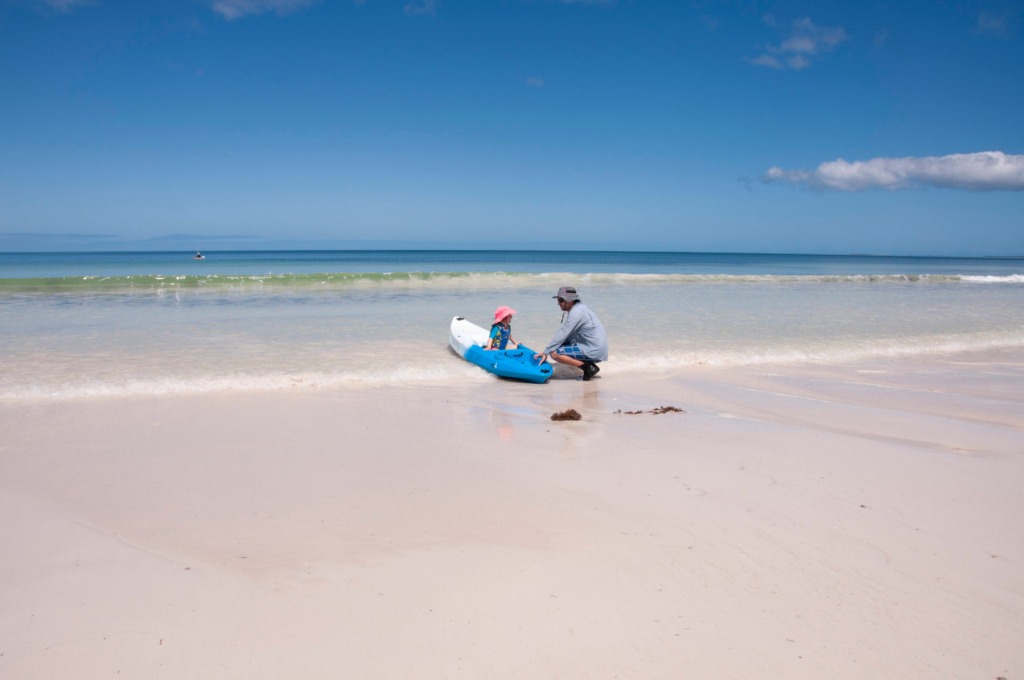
(570, 414)
(655, 411)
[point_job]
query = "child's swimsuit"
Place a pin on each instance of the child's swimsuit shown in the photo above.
(499, 336)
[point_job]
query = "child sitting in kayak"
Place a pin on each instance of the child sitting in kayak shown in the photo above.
(501, 330)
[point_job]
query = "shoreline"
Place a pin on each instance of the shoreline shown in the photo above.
(847, 520)
(451, 372)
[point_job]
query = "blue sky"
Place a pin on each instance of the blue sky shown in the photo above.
(809, 127)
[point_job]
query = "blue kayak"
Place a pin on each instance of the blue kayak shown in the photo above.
(468, 339)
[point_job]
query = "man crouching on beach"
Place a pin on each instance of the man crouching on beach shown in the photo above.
(580, 340)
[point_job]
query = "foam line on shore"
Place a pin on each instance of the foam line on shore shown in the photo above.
(448, 369)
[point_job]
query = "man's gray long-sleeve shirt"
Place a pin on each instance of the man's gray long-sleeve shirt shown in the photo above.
(583, 329)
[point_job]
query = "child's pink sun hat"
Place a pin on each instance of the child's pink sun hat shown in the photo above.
(501, 312)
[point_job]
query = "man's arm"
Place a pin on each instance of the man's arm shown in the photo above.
(565, 331)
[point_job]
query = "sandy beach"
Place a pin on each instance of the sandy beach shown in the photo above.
(857, 520)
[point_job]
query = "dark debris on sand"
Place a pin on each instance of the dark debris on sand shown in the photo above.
(655, 411)
(571, 414)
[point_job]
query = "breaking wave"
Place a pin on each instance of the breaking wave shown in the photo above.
(451, 281)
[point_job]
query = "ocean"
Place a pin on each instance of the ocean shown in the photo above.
(86, 325)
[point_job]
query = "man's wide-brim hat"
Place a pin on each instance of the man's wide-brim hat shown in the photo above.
(567, 293)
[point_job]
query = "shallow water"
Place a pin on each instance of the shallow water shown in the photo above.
(77, 325)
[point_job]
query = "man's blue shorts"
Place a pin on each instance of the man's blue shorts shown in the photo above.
(572, 351)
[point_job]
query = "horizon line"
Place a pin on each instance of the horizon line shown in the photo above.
(509, 250)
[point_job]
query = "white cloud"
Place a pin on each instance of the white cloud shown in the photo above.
(805, 41)
(767, 60)
(64, 5)
(421, 8)
(982, 171)
(235, 9)
(1004, 23)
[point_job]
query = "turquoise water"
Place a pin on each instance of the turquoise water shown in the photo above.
(284, 263)
(77, 325)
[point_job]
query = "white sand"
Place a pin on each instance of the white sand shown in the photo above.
(856, 521)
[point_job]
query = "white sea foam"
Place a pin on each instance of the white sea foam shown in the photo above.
(444, 368)
(441, 282)
(402, 376)
(821, 354)
(1012, 278)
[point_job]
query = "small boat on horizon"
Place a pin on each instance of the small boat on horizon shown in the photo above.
(198, 256)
